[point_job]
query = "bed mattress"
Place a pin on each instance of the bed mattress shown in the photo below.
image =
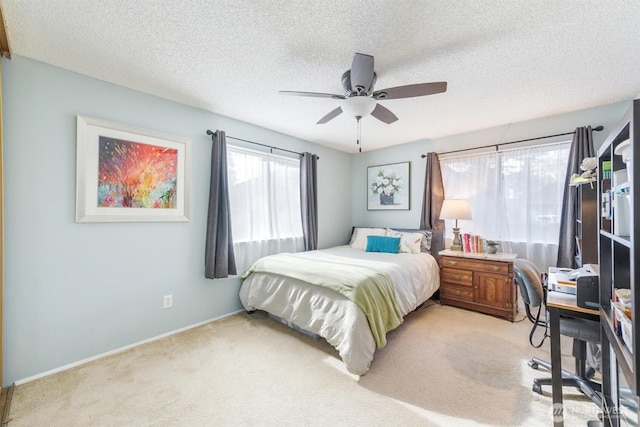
(334, 317)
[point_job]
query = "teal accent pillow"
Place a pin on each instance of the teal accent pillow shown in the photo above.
(382, 244)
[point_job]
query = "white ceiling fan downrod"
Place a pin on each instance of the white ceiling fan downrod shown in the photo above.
(359, 134)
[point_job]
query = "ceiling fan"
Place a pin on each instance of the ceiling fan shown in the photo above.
(360, 100)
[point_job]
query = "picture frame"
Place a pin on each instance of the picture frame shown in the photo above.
(128, 174)
(389, 187)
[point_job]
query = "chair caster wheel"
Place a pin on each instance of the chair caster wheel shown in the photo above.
(533, 364)
(537, 388)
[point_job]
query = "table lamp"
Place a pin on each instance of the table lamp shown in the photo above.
(455, 209)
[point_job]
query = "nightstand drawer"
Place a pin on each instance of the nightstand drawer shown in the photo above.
(460, 277)
(464, 293)
(476, 265)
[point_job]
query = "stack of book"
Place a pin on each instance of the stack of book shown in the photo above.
(606, 169)
(472, 243)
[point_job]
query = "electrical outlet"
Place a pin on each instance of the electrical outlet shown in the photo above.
(168, 301)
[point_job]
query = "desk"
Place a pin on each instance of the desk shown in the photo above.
(558, 304)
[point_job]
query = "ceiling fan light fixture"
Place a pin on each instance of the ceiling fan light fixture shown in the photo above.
(358, 106)
(359, 99)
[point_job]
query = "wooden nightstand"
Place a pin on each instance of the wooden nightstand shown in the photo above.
(478, 281)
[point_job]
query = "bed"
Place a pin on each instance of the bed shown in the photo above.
(350, 295)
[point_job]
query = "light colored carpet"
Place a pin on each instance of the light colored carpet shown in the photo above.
(444, 366)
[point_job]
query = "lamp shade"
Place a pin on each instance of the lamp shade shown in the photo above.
(455, 209)
(358, 106)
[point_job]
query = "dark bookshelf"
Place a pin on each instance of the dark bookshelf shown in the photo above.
(619, 266)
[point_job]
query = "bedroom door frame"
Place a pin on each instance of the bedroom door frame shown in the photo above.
(1, 235)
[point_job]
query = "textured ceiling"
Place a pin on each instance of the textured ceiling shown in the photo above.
(504, 61)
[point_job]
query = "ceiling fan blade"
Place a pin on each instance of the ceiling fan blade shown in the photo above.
(332, 114)
(383, 114)
(362, 73)
(409, 91)
(313, 94)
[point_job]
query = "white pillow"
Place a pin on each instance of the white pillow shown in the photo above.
(409, 242)
(359, 237)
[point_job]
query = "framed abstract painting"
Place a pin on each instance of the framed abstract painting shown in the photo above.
(126, 174)
(388, 187)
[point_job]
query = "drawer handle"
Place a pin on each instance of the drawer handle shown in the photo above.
(458, 292)
(495, 268)
(452, 262)
(456, 276)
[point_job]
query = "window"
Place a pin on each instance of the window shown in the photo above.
(515, 196)
(264, 194)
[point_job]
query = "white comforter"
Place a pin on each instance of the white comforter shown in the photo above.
(334, 317)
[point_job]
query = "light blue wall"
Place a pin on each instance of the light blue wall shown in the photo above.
(73, 291)
(607, 115)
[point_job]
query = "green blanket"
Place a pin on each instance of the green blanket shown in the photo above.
(370, 289)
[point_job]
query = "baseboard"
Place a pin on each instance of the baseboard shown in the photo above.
(121, 349)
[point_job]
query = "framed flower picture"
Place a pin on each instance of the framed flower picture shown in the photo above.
(389, 187)
(126, 174)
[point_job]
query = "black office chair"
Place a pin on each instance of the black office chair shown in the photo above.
(533, 291)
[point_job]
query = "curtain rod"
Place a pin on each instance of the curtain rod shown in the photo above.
(210, 132)
(597, 129)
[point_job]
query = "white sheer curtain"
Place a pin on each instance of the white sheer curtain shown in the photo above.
(476, 179)
(264, 193)
(515, 197)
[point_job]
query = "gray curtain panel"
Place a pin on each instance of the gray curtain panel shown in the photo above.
(219, 259)
(433, 195)
(309, 199)
(581, 147)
